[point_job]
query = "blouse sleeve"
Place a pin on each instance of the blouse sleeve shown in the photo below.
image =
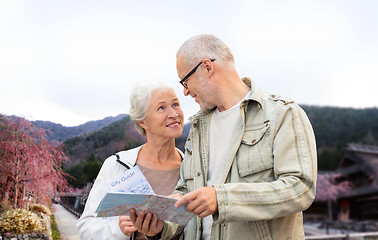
(91, 227)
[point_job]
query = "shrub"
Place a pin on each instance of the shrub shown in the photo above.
(20, 221)
(39, 208)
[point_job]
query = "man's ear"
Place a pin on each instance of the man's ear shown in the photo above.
(209, 66)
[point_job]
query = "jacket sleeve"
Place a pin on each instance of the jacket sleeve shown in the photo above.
(292, 174)
(91, 227)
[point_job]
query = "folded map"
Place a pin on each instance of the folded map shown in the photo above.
(131, 181)
(120, 203)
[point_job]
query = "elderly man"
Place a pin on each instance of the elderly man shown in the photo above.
(250, 162)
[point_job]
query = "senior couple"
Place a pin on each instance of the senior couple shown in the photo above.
(249, 168)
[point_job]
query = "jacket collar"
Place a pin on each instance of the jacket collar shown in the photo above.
(256, 95)
(129, 157)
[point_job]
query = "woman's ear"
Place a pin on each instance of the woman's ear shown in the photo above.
(143, 124)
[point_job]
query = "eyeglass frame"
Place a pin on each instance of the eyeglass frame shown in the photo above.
(182, 81)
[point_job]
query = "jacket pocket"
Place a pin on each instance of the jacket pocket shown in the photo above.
(255, 155)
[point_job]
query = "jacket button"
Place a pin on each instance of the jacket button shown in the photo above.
(198, 174)
(195, 125)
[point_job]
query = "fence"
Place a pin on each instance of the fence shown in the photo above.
(31, 236)
(347, 236)
(72, 204)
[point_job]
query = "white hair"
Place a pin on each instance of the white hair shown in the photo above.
(204, 46)
(140, 97)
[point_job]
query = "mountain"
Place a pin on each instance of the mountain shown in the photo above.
(103, 142)
(61, 133)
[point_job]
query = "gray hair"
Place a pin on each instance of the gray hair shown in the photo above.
(140, 97)
(204, 46)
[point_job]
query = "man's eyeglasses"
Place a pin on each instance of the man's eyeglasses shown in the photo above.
(184, 79)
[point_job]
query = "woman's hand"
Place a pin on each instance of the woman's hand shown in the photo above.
(126, 225)
(146, 223)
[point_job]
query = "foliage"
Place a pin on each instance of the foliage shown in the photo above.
(30, 166)
(20, 221)
(329, 159)
(336, 127)
(83, 172)
(39, 208)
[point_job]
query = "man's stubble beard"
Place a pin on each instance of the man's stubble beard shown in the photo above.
(207, 93)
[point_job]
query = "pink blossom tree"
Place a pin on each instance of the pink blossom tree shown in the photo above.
(30, 166)
(328, 189)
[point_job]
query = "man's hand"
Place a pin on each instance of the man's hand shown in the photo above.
(146, 223)
(176, 196)
(126, 225)
(202, 201)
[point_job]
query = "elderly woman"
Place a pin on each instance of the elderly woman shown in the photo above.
(156, 113)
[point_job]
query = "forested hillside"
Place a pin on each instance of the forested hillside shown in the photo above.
(103, 142)
(334, 128)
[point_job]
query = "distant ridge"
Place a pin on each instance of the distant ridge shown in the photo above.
(103, 142)
(61, 133)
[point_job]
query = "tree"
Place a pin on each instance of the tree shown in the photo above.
(84, 172)
(328, 189)
(30, 166)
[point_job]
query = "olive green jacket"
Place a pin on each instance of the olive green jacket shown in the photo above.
(269, 178)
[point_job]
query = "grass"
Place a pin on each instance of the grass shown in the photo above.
(54, 229)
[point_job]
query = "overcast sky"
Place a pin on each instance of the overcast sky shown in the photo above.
(74, 61)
